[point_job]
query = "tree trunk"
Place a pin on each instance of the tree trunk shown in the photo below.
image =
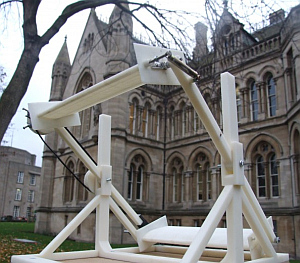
(17, 87)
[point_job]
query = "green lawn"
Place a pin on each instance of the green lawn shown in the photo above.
(10, 231)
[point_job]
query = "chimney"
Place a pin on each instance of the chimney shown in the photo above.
(276, 17)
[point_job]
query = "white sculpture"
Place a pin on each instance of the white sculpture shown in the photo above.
(232, 244)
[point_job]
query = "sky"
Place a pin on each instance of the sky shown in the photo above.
(39, 87)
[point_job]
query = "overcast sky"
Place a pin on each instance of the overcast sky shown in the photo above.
(39, 87)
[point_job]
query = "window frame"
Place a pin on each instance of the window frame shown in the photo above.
(18, 194)
(20, 177)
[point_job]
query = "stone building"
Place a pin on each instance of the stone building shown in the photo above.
(163, 160)
(19, 184)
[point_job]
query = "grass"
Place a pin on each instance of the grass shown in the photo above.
(10, 231)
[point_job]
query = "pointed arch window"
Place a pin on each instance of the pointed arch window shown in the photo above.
(254, 101)
(271, 96)
(68, 183)
(133, 121)
(266, 170)
(158, 120)
(172, 122)
(136, 179)
(146, 120)
(85, 115)
(183, 119)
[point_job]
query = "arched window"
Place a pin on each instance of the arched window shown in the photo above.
(266, 171)
(68, 183)
(196, 121)
(182, 125)
(158, 124)
(133, 118)
(254, 101)
(146, 120)
(136, 179)
(271, 96)
(172, 122)
(85, 115)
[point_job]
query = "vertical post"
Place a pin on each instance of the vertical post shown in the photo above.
(105, 173)
(234, 177)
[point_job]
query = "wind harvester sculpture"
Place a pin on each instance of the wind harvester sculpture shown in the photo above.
(158, 242)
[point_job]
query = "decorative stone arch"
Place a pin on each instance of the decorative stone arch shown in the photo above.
(173, 155)
(137, 96)
(206, 90)
(265, 71)
(259, 138)
(84, 72)
(70, 159)
(194, 154)
(150, 101)
(249, 75)
(141, 152)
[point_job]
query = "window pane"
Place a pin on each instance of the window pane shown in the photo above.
(175, 186)
(274, 176)
(272, 96)
(254, 101)
(261, 177)
(139, 183)
(20, 178)
(199, 183)
(18, 195)
(130, 181)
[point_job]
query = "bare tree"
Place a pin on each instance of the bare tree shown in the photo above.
(33, 42)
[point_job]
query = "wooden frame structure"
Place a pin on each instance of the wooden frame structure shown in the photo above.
(232, 244)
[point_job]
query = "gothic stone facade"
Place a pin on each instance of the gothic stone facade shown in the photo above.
(164, 162)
